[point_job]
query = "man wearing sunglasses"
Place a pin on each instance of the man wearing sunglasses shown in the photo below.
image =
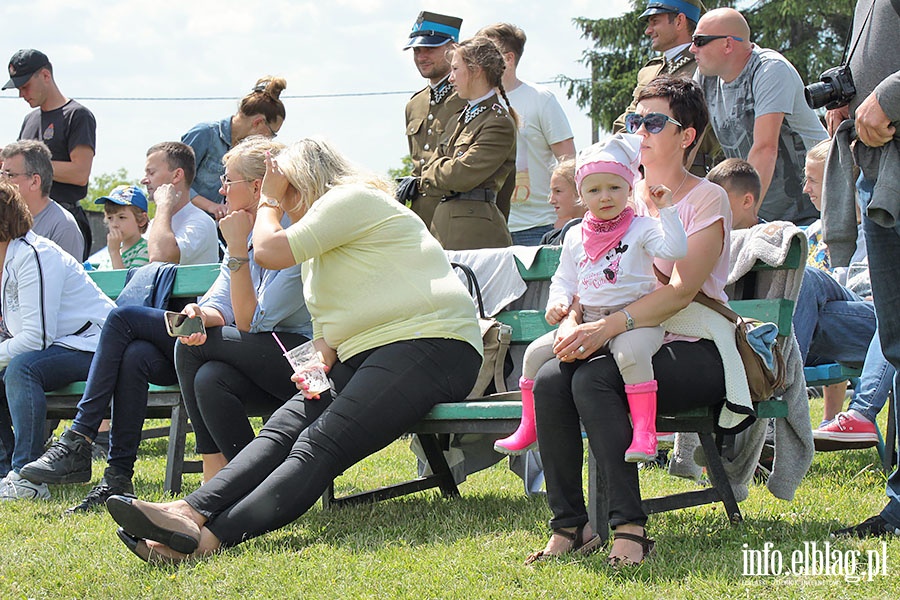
(758, 111)
(670, 24)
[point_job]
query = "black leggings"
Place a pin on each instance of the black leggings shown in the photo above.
(690, 374)
(381, 393)
(233, 373)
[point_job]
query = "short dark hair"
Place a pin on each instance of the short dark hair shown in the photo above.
(685, 98)
(736, 174)
(37, 159)
(15, 218)
(508, 37)
(178, 156)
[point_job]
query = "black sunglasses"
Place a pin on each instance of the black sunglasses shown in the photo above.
(702, 40)
(653, 122)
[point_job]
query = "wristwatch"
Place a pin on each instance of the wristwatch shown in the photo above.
(234, 263)
(270, 202)
(629, 322)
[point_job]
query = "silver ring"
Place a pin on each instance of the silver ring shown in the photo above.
(581, 349)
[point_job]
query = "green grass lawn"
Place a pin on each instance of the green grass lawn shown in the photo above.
(425, 546)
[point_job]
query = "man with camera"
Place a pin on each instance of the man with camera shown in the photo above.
(758, 111)
(874, 67)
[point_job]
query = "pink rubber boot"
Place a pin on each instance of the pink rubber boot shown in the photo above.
(525, 437)
(642, 404)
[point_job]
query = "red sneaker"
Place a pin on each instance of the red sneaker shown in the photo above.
(847, 429)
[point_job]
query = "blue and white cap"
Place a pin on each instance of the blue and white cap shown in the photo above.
(432, 30)
(690, 8)
(125, 195)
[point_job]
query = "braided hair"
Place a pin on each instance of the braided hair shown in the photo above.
(481, 52)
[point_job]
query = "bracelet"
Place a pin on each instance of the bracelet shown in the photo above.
(629, 322)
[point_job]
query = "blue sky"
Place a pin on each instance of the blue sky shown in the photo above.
(208, 49)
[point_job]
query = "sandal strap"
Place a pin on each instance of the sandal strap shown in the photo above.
(576, 537)
(645, 542)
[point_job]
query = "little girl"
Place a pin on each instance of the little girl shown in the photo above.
(606, 264)
(126, 219)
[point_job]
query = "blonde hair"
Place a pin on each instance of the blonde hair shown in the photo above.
(249, 157)
(819, 152)
(313, 167)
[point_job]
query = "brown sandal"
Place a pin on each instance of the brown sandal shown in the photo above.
(578, 545)
(647, 546)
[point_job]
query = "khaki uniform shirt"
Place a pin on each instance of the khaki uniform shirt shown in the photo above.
(427, 116)
(480, 154)
(683, 65)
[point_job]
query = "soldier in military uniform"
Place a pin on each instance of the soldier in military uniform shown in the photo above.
(670, 25)
(471, 166)
(432, 111)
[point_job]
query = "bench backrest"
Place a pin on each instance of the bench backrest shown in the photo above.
(190, 280)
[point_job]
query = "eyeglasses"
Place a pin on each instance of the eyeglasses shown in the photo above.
(10, 174)
(271, 131)
(702, 40)
(653, 122)
(227, 184)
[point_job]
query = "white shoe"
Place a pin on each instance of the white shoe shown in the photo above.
(15, 487)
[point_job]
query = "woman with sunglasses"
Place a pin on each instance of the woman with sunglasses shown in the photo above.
(237, 366)
(260, 112)
(689, 372)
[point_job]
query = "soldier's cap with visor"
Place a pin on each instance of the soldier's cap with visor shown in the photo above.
(691, 8)
(432, 30)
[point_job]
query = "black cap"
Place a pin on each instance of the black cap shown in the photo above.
(23, 65)
(432, 29)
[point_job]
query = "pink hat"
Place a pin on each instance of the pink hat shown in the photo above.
(619, 155)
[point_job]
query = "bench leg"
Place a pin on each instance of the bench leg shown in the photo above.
(438, 463)
(598, 499)
(716, 471)
(175, 450)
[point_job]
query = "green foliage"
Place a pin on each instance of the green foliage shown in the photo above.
(103, 184)
(402, 171)
(810, 33)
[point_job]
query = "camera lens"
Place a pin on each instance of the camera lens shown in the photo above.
(819, 94)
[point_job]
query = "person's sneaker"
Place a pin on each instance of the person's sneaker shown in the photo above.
(15, 487)
(67, 461)
(871, 527)
(847, 430)
(112, 484)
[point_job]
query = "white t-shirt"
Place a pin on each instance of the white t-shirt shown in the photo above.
(195, 234)
(542, 122)
(625, 273)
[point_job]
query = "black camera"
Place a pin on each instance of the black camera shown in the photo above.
(835, 89)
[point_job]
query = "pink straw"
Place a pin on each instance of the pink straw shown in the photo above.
(280, 345)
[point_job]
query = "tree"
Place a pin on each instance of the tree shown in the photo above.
(405, 169)
(810, 33)
(103, 184)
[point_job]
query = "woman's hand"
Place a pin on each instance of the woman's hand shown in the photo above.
(576, 341)
(195, 339)
(555, 314)
(301, 384)
(274, 183)
(236, 228)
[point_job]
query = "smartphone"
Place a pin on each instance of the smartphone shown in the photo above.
(180, 325)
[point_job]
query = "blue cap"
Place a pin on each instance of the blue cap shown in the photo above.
(125, 195)
(690, 8)
(432, 30)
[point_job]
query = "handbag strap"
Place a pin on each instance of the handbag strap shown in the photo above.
(705, 300)
(474, 288)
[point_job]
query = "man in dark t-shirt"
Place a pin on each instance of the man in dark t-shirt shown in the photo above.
(65, 126)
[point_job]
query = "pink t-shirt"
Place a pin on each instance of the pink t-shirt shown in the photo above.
(700, 208)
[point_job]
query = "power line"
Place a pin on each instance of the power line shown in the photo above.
(216, 98)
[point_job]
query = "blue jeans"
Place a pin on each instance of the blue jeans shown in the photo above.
(25, 379)
(875, 382)
(134, 351)
(832, 324)
(530, 237)
(884, 252)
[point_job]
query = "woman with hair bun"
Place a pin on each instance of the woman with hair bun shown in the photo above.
(469, 169)
(260, 112)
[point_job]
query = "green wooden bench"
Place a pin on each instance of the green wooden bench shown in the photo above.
(164, 402)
